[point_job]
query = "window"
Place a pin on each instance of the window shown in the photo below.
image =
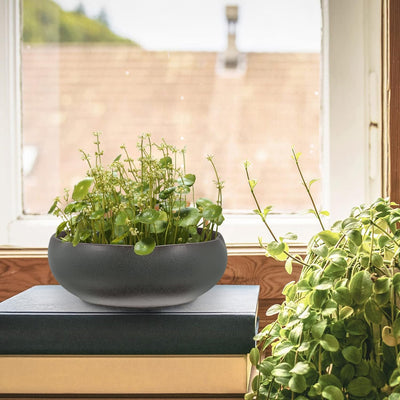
(350, 103)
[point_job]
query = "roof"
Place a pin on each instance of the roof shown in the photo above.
(72, 90)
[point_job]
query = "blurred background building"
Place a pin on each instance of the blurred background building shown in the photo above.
(80, 76)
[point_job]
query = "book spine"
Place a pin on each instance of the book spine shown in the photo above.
(119, 334)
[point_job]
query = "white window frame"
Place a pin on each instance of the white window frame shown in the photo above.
(350, 122)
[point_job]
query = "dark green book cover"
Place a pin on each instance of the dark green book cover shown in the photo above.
(49, 320)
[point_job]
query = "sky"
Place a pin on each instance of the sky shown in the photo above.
(200, 25)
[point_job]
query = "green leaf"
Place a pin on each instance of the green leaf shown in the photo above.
(288, 236)
(219, 220)
(395, 378)
(275, 248)
(188, 180)
(381, 285)
(252, 183)
(334, 271)
(304, 346)
(342, 296)
(189, 216)
(81, 189)
(282, 349)
(352, 354)
(289, 265)
(267, 210)
(61, 227)
(297, 384)
(329, 307)
(165, 162)
(296, 155)
(324, 284)
(212, 212)
(396, 282)
(311, 182)
(355, 236)
(329, 342)
(148, 216)
(318, 329)
(338, 330)
(347, 373)
(353, 248)
(282, 369)
(202, 202)
(145, 246)
(166, 193)
(383, 241)
(377, 260)
(315, 390)
(295, 334)
(332, 393)
(117, 158)
(274, 309)
(356, 327)
(300, 368)
(76, 238)
(329, 238)
(382, 299)
(303, 286)
(360, 386)
(372, 312)
(120, 239)
(318, 298)
(158, 226)
(98, 214)
(321, 251)
(329, 380)
(121, 218)
(351, 223)
(338, 260)
(53, 207)
(266, 367)
(362, 369)
(254, 356)
(71, 207)
(289, 290)
(377, 375)
(361, 287)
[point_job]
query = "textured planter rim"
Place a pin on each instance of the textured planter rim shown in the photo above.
(113, 275)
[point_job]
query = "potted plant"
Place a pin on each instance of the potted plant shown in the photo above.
(132, 233)
(337, 333)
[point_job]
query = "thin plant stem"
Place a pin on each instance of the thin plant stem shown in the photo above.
(295, 157)
(265, 221)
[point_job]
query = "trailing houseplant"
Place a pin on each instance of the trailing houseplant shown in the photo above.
(133, 234)
(337, 334)
(143, 202)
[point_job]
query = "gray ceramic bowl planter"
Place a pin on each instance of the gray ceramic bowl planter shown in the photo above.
(114, 275)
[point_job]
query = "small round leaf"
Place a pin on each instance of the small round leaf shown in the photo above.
(145, 246)
(332, 393)
(360, 386)
(361, 287)
(329, 342)
(81, 189)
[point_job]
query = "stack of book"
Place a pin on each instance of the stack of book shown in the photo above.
(51, 342)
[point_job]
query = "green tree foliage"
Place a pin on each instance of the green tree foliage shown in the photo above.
(46, 22)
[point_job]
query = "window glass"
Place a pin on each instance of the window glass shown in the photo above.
(239, 80)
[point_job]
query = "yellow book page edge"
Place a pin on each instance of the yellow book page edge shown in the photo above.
(183, 374)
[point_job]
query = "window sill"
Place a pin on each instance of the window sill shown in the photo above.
(29, 235)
